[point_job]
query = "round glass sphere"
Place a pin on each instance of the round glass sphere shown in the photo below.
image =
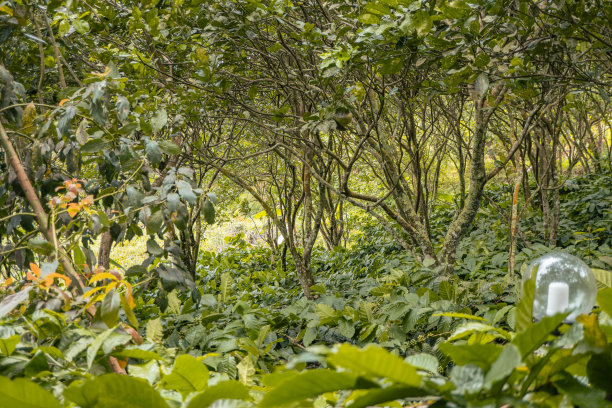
(563, 283)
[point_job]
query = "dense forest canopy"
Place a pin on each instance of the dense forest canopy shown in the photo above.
(392, 168)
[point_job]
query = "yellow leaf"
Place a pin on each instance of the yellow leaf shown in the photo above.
(28, 117)
(104, 275)
(7, 10)
(592, 332)
(73, 209)
(92, 291)
(7, 282)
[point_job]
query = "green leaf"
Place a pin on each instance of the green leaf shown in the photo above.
(159, 120)
(234, 390)
(423, 361)
(129, 313)
(188, 375)
(169, 147)
(604, 300)
(186, 192)
(135, 197)
(123, 108)
(81, 26)
(208, 211)
(535, 335)
(92, 351)
(109, 310)
(173, 201)
(377, 397)
(23, 393)
(445, 290)
(154, 330)
(482, 355)
(8, 345)
(225, 288)
(508, 360)
(153, 248)
(377, 8)
(524, 309)
(369, 18)
(114, 391)
(422, 23)
(604, 278)
(153, 152)
(375, 361)
(133, 352)
(154, 222)
(94, 146)
(310, 384)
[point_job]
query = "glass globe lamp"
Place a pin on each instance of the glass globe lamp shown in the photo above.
(563, 284)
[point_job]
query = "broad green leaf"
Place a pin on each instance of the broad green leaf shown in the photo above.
(482, 355)
(154, 222)
(225, 288)
(233, 390)
(208, 211)
(95, 346)
(378, 396)
(604, 278)
(23, 393)
(369, 18)
(137, 353)
(246, 371)
(154, 330)
(188, 375)
(604, 300)
(375, 361)
(94, 146)
(109, 310)
(186, 192)
(423, 361)
(535, 335)
(114, 391)
(508, 360)
(310, 384)
(461, 316)
(8, 345)
(524, 309)
(169, 147)
(327, 314)
(159, 120)
(153, 152)
(469, 328)
(153, 248)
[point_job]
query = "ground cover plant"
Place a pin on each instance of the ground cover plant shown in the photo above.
(323, 203)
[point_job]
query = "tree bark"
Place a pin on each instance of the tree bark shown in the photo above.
(41, 216)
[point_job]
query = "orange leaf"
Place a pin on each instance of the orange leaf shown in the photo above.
(7, 282)
(128, 296)
(87, 201)
(35, 269)
(63, 101)
(49, 279)
(73, 209)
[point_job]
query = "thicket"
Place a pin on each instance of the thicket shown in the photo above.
(406, 158)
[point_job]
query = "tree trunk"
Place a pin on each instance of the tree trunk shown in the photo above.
(106, 243)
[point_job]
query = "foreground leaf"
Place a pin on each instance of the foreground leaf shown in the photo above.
(23, 393)
(310, 384)
(114, 391)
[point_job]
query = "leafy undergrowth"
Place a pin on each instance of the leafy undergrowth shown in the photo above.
(380, 331)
